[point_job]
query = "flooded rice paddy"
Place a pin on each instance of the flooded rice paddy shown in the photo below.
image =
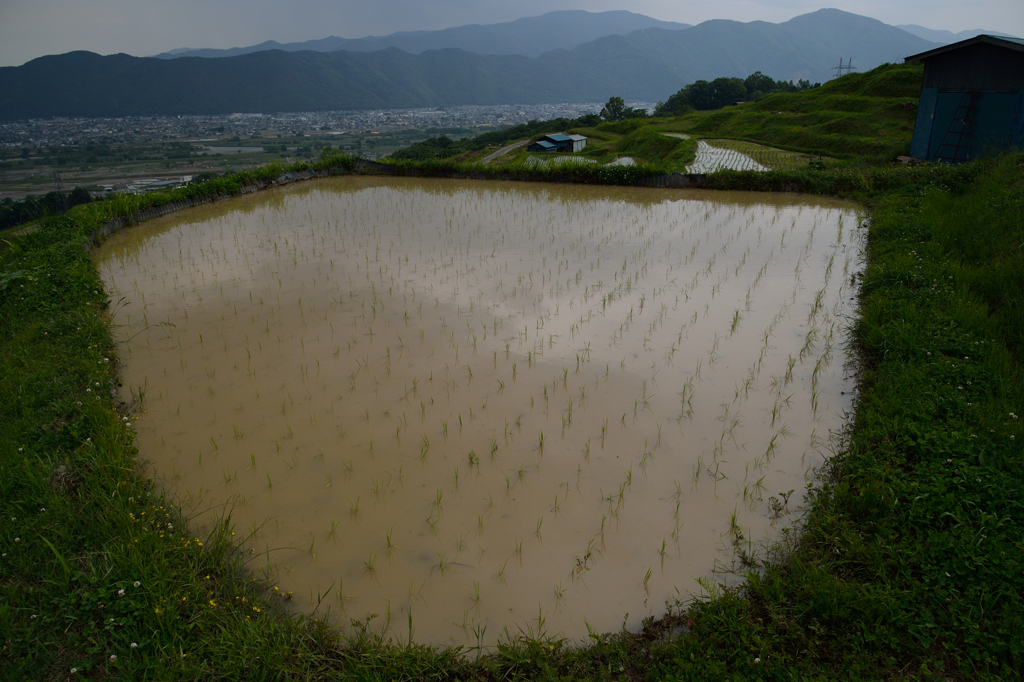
(710, 157)
(503, 406)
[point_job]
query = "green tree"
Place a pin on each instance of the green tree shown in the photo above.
(758, 85)
(614, 110)
(727, 91)
(79, 195)
(700, 95)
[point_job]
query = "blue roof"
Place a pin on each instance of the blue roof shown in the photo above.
(543, 143)
(557, 137)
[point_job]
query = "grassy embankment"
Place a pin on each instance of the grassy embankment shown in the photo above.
(908, 565)
(861, 118)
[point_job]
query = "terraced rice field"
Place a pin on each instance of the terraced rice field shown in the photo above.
(735, 155)
(472, 408)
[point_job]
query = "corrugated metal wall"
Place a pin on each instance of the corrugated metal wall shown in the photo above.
(997, 76)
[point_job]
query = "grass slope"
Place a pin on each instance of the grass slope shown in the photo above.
(908, 565)
(863, 117)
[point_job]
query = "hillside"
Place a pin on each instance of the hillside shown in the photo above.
(529, 36)
(863, 116)
(645, 65)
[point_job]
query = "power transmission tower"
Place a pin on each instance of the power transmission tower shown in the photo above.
(58, 190)
(843, 68)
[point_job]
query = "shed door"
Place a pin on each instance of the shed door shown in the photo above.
(992, 127)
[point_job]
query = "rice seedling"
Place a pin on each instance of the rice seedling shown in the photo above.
(559, 596)
(443, 564)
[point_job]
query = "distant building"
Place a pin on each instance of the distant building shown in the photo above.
(972, 99)
(557, 142)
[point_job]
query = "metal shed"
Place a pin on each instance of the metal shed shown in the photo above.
(972, 99)
(579, 142)
(558, 142)
(542, 146)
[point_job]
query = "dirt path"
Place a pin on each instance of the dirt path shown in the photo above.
(504, 150)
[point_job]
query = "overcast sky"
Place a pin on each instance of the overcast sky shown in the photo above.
(32, 28)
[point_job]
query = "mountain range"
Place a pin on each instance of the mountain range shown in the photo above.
(646, 65)
(945, 37)
(530, 36)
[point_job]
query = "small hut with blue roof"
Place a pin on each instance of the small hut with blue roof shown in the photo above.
(557, 142)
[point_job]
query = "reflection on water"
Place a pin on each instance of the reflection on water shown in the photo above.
(497, 405)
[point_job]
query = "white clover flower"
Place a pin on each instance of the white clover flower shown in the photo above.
(137, 583)
(120, 593)
(133, 645)
(757, 660)
(113, 658)
(74, 670)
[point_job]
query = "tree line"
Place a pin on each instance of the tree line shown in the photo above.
(13, 213)
(705, 95)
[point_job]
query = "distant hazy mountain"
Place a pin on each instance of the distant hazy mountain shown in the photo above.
(808, 46)
(945, 37)
(645, 65)
(530, 37)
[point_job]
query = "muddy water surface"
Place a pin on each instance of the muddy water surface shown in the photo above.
(502, 406)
